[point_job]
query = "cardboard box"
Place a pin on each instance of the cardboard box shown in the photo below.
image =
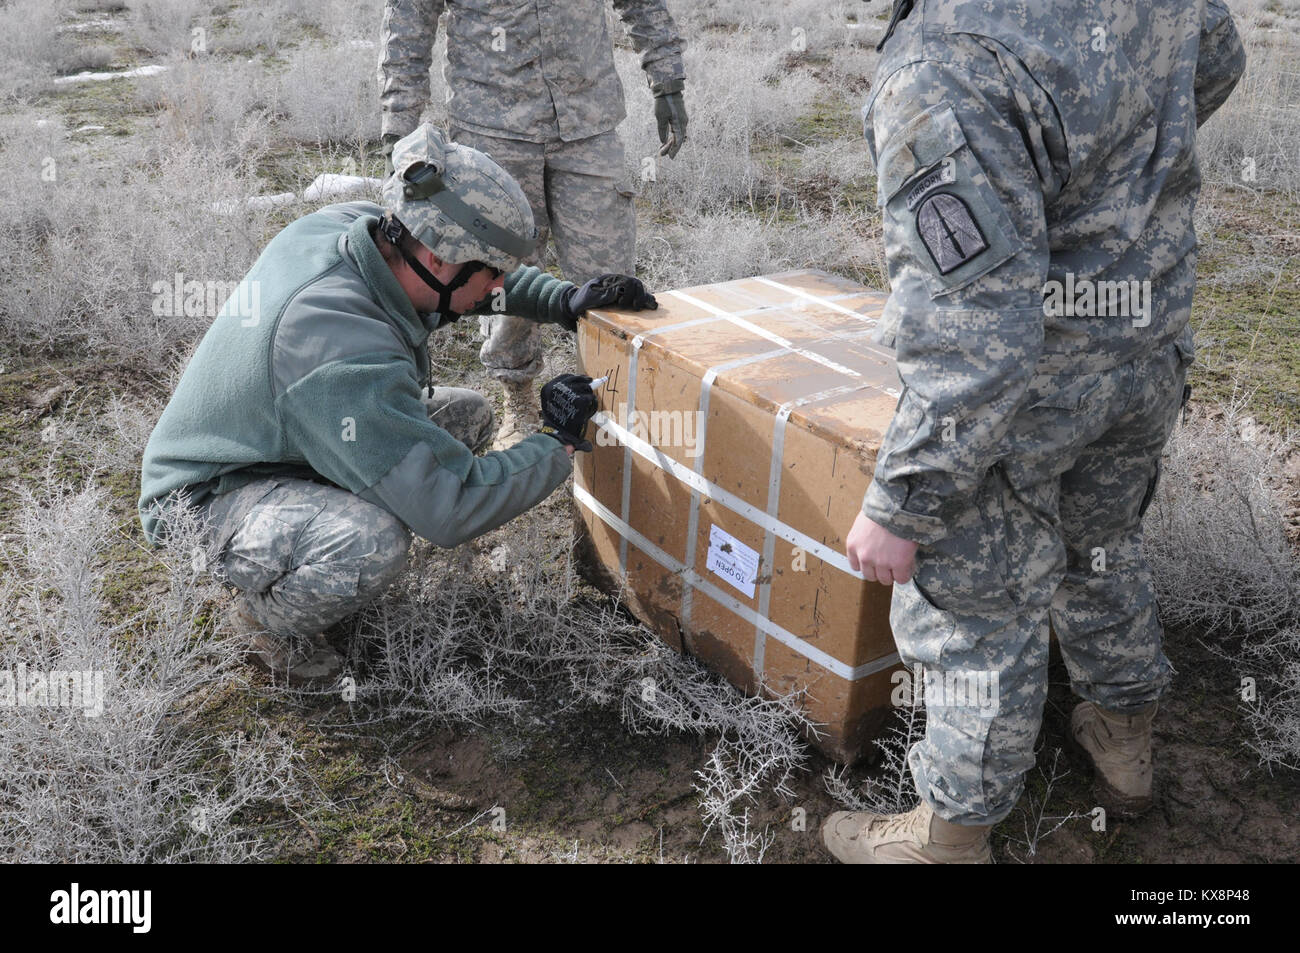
(737, 435)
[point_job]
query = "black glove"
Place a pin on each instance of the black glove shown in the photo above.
(670, 114)
(567, 404)
(390, 140)
(619, 291)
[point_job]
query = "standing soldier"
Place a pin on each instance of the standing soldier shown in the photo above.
(532, 84)
(1037, 175)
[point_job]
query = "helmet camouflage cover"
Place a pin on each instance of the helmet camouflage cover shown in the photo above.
(458, 203)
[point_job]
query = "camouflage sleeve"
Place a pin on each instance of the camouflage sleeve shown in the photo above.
(405, 55)
(533, 294)
(654, 35)
(359, 422)
(1221, 62)
(966, 242)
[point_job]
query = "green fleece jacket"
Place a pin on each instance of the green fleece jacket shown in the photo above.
(315, 366)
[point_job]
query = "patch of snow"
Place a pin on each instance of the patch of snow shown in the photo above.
(255, 201)
(325, 186)
(110, 25)
(151, 70)
(329, 185)
(89, 129)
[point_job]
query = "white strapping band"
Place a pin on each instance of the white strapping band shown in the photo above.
(706, 393)
(697, 482)
(829, 302)
(775, 472)
(763, 332)
(693, 579)
(637, 342)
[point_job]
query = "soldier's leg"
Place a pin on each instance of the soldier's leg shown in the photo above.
(974, 618)
(465, 414)
(512, 351)
(305, 555)
(1105, 612)
(591, 207)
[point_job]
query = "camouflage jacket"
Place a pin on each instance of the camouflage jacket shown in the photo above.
(535, 70)
(1035, 167)
(314, 368)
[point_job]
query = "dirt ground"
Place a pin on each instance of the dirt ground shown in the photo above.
(608, 795)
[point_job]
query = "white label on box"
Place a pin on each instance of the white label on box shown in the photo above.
(732, 560)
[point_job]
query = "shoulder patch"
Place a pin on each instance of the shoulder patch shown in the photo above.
(949, 231)
(945, 174)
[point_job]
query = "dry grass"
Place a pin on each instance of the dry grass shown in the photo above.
(90, 242)
(144, 780)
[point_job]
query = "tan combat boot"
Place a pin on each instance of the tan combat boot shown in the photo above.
(302, 661)
(917, 837)
(520, 417)
(1118, 746)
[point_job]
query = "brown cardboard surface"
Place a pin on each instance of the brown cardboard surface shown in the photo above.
(753, 408)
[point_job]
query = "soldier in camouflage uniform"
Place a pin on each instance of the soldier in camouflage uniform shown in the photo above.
(1030, 158)
(533, 85)
(307, 426)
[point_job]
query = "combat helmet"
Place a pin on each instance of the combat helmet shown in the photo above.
(459, 204)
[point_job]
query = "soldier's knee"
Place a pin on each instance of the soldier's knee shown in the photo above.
(387, 552)
(465, 414)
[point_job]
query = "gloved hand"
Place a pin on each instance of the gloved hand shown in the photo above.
(390, 140)
(567, 404)
(619, 291)
(670, 113)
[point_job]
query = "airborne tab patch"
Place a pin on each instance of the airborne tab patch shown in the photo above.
(945, 174)
(949, 231)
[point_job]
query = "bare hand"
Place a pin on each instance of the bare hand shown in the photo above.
(878, 554)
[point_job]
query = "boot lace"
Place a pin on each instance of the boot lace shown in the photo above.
(895, 824)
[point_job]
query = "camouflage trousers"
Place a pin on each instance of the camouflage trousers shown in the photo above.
(580, 194)
(1053, 533)
(306, 555)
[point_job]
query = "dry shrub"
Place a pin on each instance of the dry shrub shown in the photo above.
(223, 109)
(1274, 715)
(728, 120)
(501, 630)
(92, 243)
(164, 26)
(724, 245)
(1253, 141)
(30, 48)
(272, 24)
(329, 94)
(1216, 537)
(1215, 533)
(889, 788)
(145, 780)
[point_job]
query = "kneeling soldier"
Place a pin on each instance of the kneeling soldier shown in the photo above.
(309, 430)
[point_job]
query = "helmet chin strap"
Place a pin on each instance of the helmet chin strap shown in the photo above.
(467, 271)
(445, 314)
(393, 231)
